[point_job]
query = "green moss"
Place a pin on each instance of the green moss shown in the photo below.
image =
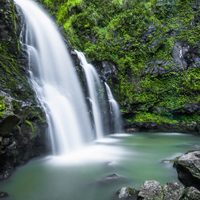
(130, 34)
(2, 106)
(148, 117)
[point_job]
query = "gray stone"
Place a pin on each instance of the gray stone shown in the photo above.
(150, 190)
(172, 191)
(191, 193)
(177, 53)
(192, 107)
(188, 168)
(126, 192)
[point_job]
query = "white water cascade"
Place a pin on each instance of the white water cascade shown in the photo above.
(114, 111)
(93, 84)
(55, 81)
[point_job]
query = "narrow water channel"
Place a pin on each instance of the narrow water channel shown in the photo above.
(136, 157)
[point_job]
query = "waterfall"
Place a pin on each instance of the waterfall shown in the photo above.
(94, 85)
(114, 111)
(54, 80)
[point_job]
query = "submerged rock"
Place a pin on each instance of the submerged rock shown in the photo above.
(3, 194)
(188, 168)
(112, 177)
(150, 190)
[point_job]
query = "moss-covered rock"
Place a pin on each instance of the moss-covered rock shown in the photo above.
(127, 193)
(22, 134)
(191, 193)
(7, 118)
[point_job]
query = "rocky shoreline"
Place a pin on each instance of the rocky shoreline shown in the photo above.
(187, 166)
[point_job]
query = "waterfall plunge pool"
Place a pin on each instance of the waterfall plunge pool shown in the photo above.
(78, 176)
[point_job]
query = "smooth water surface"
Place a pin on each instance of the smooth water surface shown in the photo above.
(136, 156)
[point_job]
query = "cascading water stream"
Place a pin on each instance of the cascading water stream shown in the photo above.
(114, 111)
(54, 79)
(93, 84)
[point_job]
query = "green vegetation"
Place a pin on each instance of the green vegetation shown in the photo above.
(130, 34)
(12, 79)
(31, 125)
(2, 106)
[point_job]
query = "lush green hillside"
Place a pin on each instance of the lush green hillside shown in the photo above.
(153, 45)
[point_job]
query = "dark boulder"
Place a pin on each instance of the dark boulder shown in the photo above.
(188, 168)
(3, 194)
(7, 118)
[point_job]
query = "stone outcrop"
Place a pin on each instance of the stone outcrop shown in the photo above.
(188, 169)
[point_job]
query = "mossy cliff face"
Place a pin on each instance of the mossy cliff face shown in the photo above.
(147, 51)
(22, 126)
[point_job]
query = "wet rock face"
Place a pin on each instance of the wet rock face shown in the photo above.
(8, 35)
(184, 57)
(20, 139)
(178, 53)
(188, 168)
(7, 119)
